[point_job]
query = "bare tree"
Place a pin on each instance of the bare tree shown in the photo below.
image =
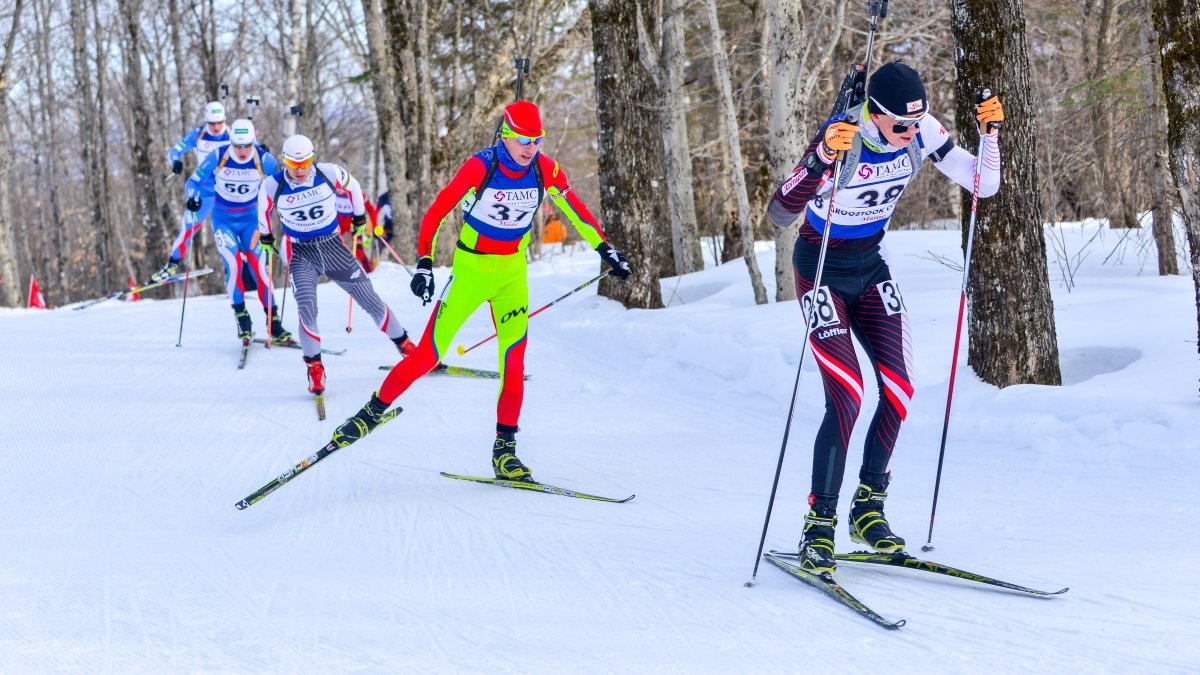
(665, 56)
(730, 123)
(798, 61)
(1162, 184)
(632, 179)
(10, 285)
(1178, 24)
(1012, 334)
(391, 128)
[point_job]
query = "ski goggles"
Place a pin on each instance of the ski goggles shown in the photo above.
(298, 163)
(507, 132)
(900, 123)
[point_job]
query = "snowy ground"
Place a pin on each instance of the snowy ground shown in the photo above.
(121, 552)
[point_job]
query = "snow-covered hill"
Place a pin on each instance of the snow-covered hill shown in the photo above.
(121, 550)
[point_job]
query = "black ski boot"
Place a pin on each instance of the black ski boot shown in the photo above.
(279, 334)
(816, 548)
(504, 457)
(245, 328)
(362, 422)
(868, 525)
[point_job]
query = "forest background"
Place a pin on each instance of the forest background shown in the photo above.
(675, 120)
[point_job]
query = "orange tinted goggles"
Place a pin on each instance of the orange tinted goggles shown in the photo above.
(298, 164)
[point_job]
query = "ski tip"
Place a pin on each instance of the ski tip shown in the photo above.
(894, 626)
(242, 505)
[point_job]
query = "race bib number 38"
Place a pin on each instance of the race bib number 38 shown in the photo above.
(825, 313)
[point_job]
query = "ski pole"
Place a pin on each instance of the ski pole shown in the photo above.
(962, 305)
(463, 350)
(183, 308)
(379, 237)
(270, 281)
(350, 298)
(878, 10)
(287, 271)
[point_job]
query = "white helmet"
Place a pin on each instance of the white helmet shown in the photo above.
(214, 112)
(242, 132)
(297, 149)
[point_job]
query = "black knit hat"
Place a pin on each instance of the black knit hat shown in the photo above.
(898, 90)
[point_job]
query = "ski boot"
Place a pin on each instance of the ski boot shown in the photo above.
(316, 374)
(816, 548)
(405, 346)
(245, 328)
(868, 525)
(169, 270)
(362, 422)
(504, 457)
(279, 334)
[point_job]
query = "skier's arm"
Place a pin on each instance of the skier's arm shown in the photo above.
(204, 174)
(266, 194)
(358, 202)
(567, 201)
(177, 151)
(270, 165)
(801, 185)
(959, 163)
(469, 175)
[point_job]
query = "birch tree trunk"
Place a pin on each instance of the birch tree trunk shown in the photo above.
(11, 286)
(392, 134)
(1178, 24)
(1162, 184)
(730, 125)
(668, 71)
(798, 57)
(1012, 333)
(632, 176)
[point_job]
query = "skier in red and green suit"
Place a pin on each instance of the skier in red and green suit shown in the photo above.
(500, 189)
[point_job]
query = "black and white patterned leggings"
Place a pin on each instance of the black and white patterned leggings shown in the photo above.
(308, 259)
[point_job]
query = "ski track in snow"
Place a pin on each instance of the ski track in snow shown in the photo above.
(123, 553)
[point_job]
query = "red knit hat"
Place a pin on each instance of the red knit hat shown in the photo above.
(524, 119)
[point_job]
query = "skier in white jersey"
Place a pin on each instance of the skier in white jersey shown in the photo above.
(212, 137)
(893, 137)
(305, 194)
(233, 176)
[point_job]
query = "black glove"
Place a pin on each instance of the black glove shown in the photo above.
(422, 281)
(177, 167)
(193, 203)
(267, 242)
(358, 225)
(614, 258)
(262, 147)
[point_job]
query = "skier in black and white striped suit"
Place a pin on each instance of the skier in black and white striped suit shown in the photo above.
(305, 193)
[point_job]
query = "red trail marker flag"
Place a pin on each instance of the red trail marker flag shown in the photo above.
(35, 295)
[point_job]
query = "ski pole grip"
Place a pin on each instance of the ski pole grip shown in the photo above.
(985, 94)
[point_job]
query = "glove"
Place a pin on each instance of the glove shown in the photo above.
(193, 203)
(358, 225)
(989, 114)
(267, 242)
(177, 167)
(422, 281)
(618, 263)
(839, 136)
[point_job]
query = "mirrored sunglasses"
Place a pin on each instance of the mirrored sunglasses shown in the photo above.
(526, 140)
(298, 164)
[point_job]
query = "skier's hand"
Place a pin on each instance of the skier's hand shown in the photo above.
(177, 167)
(193, 203)
(267, 242)
(615, 260)
(839, 136)
(422, 281)
(358, 225)
(990, 115)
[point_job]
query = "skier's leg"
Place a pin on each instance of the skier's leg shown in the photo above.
(510, 306)
(305, 269)
(471, 287)
(343, 270)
